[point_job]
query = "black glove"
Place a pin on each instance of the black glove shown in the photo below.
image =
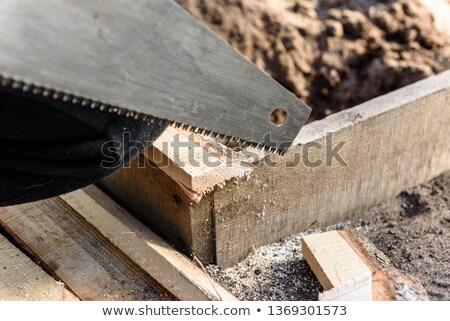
(48, 147)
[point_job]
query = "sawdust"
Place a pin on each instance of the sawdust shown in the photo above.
(412, 230)
(334, 54)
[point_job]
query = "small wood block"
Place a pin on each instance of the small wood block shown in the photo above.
(23, 280)
(351, 268)
(192, 161)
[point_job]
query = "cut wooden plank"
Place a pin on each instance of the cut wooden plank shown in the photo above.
(185, 158)
(164, 205)
(351, 268)
(166, 197)
(337, 265)
(23, 280)
(85, 261)
(172, 270)
(388, 144)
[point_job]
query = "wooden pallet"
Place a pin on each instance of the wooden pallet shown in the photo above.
(89, 248)
(218, 214)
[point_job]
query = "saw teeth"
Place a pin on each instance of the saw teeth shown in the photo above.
(16, 85)
(28, 87)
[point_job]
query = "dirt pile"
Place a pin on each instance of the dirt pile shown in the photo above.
(333, 54)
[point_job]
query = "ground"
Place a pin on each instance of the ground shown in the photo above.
(413, 230)
(335, 54)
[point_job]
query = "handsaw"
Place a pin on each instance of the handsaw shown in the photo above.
(144, 59)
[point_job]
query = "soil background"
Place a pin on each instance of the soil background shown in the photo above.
(335, 54)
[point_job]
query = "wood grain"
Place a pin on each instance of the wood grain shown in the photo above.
(390, 143)
(337, 265)
(185, 158)
(147, 56)
(53, 232)
(172, 270)
(23, 280)
(350, 268)
(164, 205)
(333, 260)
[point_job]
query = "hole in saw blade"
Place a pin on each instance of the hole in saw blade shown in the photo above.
(278, 116)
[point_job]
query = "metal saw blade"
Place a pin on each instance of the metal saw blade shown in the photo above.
(144, 57)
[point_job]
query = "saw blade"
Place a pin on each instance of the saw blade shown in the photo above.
(144, 58)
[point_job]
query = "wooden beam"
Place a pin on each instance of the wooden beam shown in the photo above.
(388, 144)
(195, 162)
(85, 261)
(184, 279)
(335, 264)
(164, 205)
(23, 280)
(351, 268)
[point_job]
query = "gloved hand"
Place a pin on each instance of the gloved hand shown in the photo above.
(49, 147)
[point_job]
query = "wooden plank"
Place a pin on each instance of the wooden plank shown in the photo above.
(163, 204)
(388, 283)
(185, 158)
(390, 143)
(172, 270)
(23, 280)
(53, 232)
(351, 268)
(336, 264)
